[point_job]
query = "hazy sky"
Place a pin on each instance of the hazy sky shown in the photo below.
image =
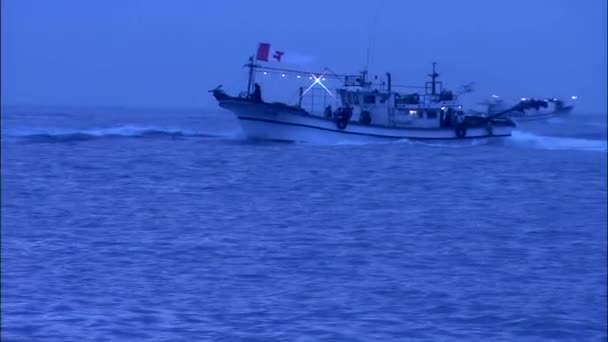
(169, 53)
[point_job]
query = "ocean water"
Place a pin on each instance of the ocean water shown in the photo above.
(166, 225)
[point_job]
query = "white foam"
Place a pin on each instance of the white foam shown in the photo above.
(527, 139)
(120, 131)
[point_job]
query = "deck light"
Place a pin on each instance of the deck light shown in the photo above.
(317, 80)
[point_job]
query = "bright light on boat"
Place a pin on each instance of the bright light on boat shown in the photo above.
(524, 99)
(412, 112)
(317, 80)
(574, 97)
(265, 73)
(323, 78)
(495, 96)
(442, 108)
(298, 76)
(282, 75)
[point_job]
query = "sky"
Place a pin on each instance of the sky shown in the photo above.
(168, 53)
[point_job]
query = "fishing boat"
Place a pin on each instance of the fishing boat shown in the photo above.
(530, 109)
(360, 109)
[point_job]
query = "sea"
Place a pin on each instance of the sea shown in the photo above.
(135, 224)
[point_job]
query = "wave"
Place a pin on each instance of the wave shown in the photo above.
(454, 143)
(526, 139)
(62, 135)
(518, 139)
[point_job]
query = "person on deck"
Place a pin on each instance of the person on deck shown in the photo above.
(257, 93)
(328, 112)
(448, 119)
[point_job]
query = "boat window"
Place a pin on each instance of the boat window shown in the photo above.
(407, 99)
(355, 99)
(431, 114)
(369, 99)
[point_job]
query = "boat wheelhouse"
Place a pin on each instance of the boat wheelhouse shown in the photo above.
(380, 104)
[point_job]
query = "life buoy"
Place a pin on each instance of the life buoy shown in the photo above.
(341, 122)
(461, 131)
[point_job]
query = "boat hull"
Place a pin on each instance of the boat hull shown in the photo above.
(279, 122)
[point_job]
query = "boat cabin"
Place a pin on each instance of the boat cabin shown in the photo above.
(371, 103)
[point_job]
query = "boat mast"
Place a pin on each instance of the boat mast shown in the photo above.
(251, 75)
(434, 76)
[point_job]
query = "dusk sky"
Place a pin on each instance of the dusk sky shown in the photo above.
(169, 53)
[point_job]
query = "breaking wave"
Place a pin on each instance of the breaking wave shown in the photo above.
(526, 139)
(519, 139)
(453, 143)
(61, 135)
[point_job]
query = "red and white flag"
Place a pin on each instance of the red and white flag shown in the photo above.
(264, 53)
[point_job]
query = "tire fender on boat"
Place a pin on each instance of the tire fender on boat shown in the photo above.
(461, 131)
(341, 122)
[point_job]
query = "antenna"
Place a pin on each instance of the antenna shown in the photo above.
(372, 31)
(369, 48)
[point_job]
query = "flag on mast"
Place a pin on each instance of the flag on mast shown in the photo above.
(263, 53)
(278, 55)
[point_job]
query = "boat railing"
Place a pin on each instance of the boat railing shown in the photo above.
(315, 100)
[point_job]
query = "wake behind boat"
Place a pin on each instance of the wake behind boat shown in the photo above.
(362, 110)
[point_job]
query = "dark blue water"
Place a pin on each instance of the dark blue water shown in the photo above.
(165, 225)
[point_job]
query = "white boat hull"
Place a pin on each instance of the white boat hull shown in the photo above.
(274, 122)
(540, 116)
(552, 111)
